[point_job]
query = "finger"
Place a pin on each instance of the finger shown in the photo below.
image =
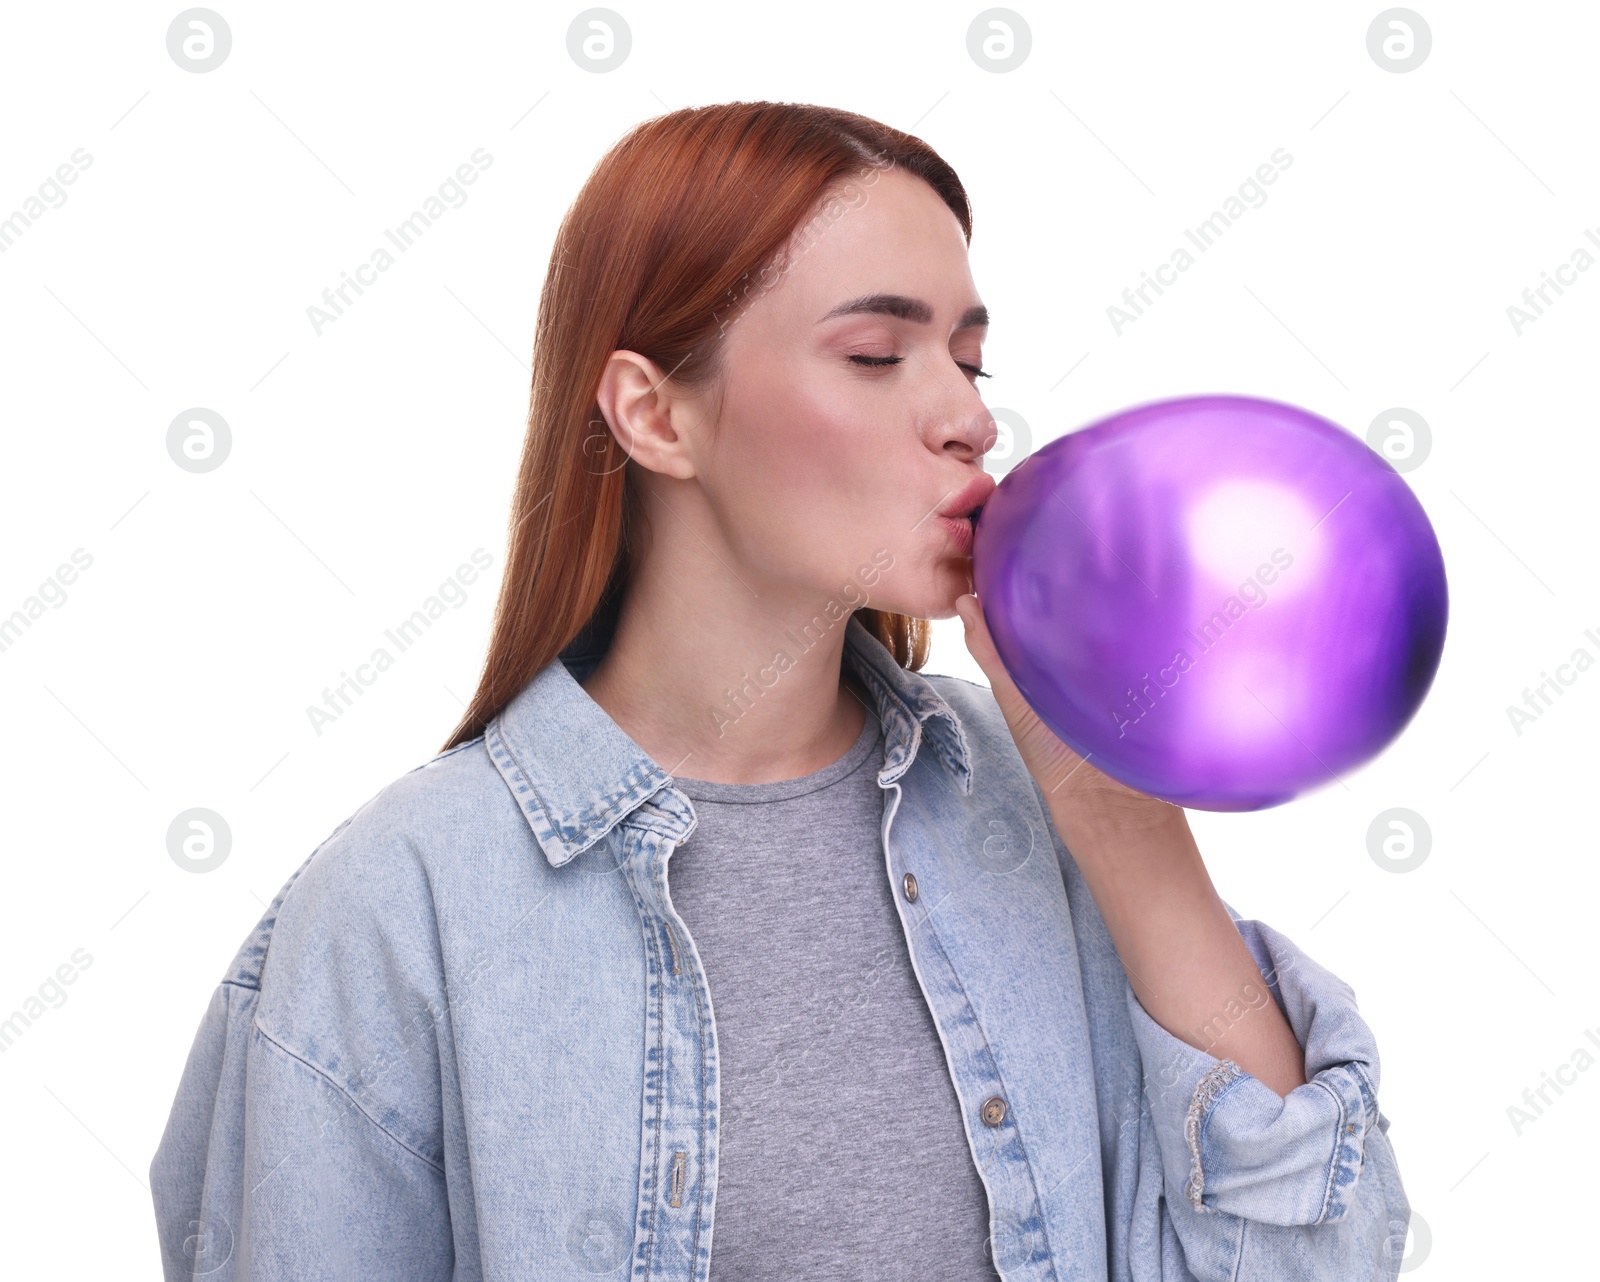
(980, 644)
(1037, 742)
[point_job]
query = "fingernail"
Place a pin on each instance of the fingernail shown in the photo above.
(964, 607)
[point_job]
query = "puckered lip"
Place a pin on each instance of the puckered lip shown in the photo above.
(970, 497)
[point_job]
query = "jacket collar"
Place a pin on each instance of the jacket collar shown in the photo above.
(576, 774)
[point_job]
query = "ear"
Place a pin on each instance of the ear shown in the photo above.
(646, 413)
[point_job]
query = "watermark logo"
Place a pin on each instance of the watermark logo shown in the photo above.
(207, 1245)
(1391, 1249)
(1399, 840)
(1007, 1243)
(999, 40)
(600, 1240)
(1399, 40)
(199, 40)
(1401, 437)
(199, 840)
(1003, 849)
(199, 440)
(1012, 442)
(599, 40)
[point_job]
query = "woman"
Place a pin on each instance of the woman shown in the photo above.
(978, 1009)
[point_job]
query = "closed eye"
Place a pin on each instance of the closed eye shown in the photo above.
(895, 360)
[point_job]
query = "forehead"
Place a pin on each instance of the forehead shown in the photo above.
(889, 231)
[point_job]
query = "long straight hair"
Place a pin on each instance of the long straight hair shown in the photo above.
(679, 223)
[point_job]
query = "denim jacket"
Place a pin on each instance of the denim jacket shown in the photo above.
(471, 1039)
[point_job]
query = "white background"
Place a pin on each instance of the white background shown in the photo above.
(369, 461)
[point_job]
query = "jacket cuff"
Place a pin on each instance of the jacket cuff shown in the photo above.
(1233, 1144)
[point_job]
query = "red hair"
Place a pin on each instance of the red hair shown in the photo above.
(681, 222)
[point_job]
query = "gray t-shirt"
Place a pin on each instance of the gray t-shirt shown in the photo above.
(842, 1153)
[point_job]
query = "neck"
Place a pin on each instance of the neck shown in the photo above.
(752, 694)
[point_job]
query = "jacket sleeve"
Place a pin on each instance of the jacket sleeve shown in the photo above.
(299, 1147)
(1267, 1188)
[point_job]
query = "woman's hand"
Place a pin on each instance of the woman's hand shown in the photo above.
(1069, 781)
(1175, 937)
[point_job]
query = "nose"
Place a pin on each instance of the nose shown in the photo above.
(973, 434)
(958, 420)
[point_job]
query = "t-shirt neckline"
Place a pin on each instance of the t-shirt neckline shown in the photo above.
(783, 789)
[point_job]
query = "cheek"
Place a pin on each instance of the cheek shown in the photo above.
(807, 469)
(811, 450)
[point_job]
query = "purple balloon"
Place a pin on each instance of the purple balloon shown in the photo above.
(1221, 601)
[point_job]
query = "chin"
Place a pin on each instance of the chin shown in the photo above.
(933, 598)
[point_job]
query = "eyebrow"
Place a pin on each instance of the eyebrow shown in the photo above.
(903, 308)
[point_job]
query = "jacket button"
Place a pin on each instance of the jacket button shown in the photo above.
(909, 884)
(994, 1110)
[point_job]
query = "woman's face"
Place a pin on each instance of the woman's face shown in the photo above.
(849, 414)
